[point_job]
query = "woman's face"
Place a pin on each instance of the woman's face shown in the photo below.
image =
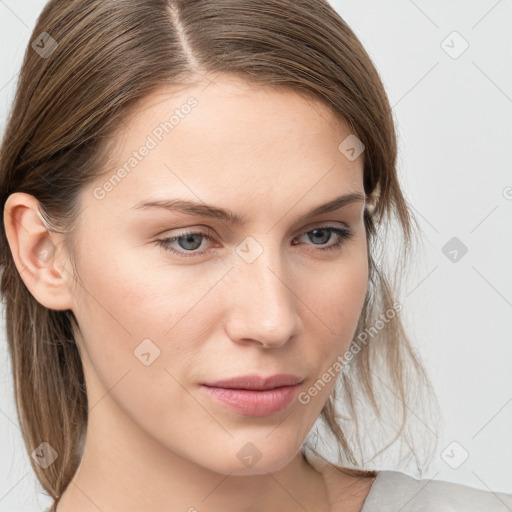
(269, 294)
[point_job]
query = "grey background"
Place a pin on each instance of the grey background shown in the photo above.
(453, 115)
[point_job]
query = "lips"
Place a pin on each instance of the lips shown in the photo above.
(256, 382)
(253, 395)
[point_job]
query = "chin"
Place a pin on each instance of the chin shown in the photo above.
(257, 458)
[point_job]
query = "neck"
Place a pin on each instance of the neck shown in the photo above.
(124, 469)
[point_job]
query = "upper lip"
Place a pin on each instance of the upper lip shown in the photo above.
(256, 382)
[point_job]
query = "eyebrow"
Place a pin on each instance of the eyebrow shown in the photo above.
(205, 210)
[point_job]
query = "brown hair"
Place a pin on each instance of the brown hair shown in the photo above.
(109, 55)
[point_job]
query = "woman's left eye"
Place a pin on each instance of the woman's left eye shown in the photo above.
(190, 241)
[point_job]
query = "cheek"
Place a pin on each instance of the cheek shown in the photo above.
(134, 313)
(142, 328)
(337, 304)
(336, 293)
(336, 300)
(135, 296)
(345, 299)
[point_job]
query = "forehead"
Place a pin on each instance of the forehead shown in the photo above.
(229, 139)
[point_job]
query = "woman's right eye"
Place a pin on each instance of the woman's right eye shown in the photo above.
(190, 243)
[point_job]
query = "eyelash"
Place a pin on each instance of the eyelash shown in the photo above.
(342, 234)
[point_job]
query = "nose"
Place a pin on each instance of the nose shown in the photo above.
(263, 306)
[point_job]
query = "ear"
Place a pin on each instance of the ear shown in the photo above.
(373, 198)
(38, 252)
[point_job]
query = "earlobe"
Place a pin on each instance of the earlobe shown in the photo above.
(34, 248)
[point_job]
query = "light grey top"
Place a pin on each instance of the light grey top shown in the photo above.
(393, 491)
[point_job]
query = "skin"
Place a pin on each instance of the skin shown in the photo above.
(155, 440)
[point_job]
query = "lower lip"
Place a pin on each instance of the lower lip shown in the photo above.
(254, 403)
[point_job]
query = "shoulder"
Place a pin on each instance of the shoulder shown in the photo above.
(394, 490)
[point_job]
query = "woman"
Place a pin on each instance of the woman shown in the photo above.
(192, 192)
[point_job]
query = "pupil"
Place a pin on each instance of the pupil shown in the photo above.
(325, 231)
(189, 239)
